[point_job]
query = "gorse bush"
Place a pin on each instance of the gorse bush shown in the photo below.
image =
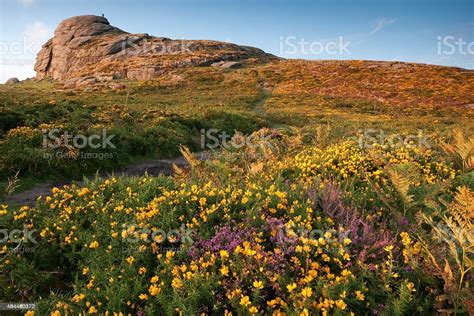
(280, 226)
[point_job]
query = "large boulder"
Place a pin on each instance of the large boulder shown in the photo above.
(88, 45)
(12, 81)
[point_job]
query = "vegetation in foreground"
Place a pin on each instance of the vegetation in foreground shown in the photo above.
(284, 226)
(315, 218)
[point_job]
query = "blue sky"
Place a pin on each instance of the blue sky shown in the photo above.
(413, 30)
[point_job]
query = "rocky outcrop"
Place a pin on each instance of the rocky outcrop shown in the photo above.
(12, 81)
(85, 46)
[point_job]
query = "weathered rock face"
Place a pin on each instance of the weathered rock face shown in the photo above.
(67, 50)
(85, 46)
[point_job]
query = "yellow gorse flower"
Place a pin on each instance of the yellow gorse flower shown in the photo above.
(307, 292)
(258, 285)
(245, 301)
(291, 287)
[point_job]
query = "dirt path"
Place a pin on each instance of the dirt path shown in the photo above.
(152, 167)
(266, 93)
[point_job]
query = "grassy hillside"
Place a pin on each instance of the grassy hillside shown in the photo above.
(153, 118)
(353, 193)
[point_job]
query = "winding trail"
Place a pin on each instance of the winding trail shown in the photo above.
(152, 167)
(265, 93)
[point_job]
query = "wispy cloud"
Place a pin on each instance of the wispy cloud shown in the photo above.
(381, 23)
(37, 34)
(359, 38)
(27, 2)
